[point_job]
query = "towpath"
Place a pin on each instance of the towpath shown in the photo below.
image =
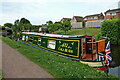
(15, 65)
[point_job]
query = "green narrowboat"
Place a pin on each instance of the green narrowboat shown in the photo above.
(81, 48)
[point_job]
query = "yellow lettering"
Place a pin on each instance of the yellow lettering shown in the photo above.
(71, 51)
(65, 50)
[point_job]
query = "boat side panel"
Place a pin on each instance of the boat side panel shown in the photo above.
(67, 47)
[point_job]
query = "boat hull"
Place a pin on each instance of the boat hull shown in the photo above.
(96, 64)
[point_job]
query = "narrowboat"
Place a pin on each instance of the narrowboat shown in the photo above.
(78, 47)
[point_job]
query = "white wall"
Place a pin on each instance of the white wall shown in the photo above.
(76, 25)
(96, 23)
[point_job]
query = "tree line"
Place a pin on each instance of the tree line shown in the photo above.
(24, 25)
(65, 26)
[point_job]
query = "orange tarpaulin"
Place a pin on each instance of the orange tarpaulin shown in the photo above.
(101, 45)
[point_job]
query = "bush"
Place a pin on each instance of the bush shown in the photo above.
(111, 29)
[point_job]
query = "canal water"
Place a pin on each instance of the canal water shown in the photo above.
(115, 52)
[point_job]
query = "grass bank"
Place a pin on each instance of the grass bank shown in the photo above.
(56, 65)
(84, 31)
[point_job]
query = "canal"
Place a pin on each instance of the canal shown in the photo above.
(115, 52)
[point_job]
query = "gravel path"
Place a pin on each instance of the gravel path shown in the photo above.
(15, 65)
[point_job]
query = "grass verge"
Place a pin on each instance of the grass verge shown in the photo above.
(56, 65)
(84, 31)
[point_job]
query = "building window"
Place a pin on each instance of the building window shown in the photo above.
(91, 17)
(108, 14)
(113, 14)
(95, 17)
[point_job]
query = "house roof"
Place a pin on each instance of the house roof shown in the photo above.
(78, 18)
(116, 10)
(94, 15)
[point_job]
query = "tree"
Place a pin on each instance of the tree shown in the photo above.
(111, 29)
(15, 29)
(80, 20)
(8, 25)
(66, 25)
(53, 26)
(49, 22)
(58, 25)
(19, 25)
(24, 21)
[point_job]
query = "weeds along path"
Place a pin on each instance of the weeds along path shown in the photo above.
(15, 65)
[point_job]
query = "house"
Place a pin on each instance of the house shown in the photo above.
(64, 19)
(93, 21)
(94, 17)
(113, 13)
(76, 19)
(76, 22)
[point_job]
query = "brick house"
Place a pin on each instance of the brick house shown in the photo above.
(76, 22)
(94, 17)
(76, 19)
(93, 21)
(113, 13)
(64, 19)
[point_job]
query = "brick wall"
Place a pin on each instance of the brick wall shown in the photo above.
(115, 16)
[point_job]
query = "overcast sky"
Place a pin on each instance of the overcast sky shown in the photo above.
(40, 11)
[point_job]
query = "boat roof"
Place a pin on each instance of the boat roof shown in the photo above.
(54, 35)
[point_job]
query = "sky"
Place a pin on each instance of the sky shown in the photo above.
(40, 11)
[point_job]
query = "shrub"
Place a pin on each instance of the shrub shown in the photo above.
(111, 29)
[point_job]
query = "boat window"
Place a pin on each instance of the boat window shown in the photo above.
(94, 46)
(89, 46)
(83, 47)
(39, 41)
(23, 37)
(51, 44)
(30, 39)
(26, 38)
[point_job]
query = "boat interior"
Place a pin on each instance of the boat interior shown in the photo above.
(91, 49)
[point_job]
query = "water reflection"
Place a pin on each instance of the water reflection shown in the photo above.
(115, 71)
(115, 52)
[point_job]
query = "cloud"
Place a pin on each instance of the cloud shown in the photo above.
(119, 4)
(44, 1)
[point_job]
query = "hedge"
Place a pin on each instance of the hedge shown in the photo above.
(111, 29)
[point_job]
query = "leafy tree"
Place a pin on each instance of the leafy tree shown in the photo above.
(36, 28)
(80, 20)
(8, 25)
(66, 25)
(20, 25)
(24, 21)
(58, 25)
(53, 26)
(49, 22)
